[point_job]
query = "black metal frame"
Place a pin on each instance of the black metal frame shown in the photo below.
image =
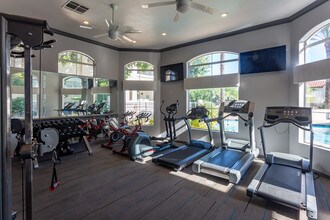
(30, 31)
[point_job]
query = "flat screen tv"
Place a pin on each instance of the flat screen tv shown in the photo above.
(265, 60)
(173, 72)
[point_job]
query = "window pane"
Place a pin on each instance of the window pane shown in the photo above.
(318, 52)
(139, 71)
(201, 60)
(104, 97)
(72, 83)
(71, 99)
(213, 64)
(322, 34)
(18, 103)
(317, 97)
(75, 63)
(230, 56)
(211, 99)
(229, 67)
(87, 70)
(102, 83)
(140, 101)
(68, 68)
(200, 71)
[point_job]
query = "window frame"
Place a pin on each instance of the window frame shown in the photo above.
(211, 63)
(303, 46)
(303, 134)
(212, 129)
(77, 63)
(139, 70)
(153, 109)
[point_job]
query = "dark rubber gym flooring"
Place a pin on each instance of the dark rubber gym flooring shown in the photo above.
(109, 186)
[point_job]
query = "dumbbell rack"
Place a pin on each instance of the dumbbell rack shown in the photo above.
(68, 128)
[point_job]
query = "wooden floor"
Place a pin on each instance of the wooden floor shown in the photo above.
(109, 186)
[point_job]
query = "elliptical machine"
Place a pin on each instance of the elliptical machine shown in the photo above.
(140, 146)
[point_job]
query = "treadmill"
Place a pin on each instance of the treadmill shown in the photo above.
(233, 158)
(183, 156)
(286, 178)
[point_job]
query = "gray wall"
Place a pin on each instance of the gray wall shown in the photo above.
(264, 89)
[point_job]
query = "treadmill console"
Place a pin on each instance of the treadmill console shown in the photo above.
(199, 112)
(299, 115)
(238, 106)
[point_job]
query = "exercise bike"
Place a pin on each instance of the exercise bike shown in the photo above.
(140, 146)
(128, 134)
(118, 132)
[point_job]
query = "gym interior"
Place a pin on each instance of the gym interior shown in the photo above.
(165, 109)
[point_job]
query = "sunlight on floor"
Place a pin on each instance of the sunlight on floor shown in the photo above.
(204, 181)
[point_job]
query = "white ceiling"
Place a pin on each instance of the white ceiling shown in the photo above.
(193, 25)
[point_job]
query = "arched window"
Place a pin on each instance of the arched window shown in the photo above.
(139, 70)
(315, 46)
(72, 82)
(315, 88)
(208, 65)
(75, 63)
(212, 64)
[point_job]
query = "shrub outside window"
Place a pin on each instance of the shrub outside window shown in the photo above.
(211, 99)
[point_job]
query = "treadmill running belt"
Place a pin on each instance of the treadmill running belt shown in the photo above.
(282, 184)
(182, 157)
(227, 158)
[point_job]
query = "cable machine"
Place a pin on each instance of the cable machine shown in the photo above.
(18, 37)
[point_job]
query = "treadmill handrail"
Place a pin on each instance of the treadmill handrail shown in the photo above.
(267, 125)
(222, 118)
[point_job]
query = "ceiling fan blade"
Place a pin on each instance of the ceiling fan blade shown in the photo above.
(132, 31)
(151, 5)
(128, 39)
(106, 21)
(203, 8)
(100, 35)
(176, 17)
(121, 40)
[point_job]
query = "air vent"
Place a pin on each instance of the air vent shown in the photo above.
(75, 7)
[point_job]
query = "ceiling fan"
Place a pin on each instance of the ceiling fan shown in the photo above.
(182, 6)
(113, 33)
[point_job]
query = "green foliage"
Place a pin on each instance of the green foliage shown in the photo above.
(102, 83)
(67, 57)
(142, 66)
(17, 79)
(199, 71)
(18, 105)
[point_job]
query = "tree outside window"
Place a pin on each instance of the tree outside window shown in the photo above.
(211, 64)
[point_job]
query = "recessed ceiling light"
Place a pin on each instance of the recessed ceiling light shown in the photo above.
(85, 22)
(134, 42)
(145, 6)
(164, 34)
(224, 15)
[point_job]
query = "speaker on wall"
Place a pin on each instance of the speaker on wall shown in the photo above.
(112, 83)
(264, 60)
